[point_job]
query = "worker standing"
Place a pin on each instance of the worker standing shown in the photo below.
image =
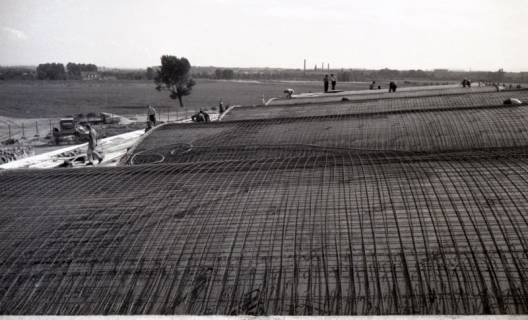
(392, 86)
(151, 117)
(333, 80)
(92, 144)
(221, 106)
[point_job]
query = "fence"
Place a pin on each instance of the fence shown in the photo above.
(27, 129)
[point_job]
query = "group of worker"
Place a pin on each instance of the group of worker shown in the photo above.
(373, 85)
(392, 86)
(93, 153)
(329, 80)
(200, 116)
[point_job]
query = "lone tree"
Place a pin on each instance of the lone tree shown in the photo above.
(174, 76)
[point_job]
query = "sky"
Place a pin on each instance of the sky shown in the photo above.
(396, 34)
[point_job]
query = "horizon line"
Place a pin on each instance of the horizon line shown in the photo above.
(279, 68)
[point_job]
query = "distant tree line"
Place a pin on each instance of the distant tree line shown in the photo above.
(17, 73)
(75, 69)
(123, 74)
(57, 71)
(227, 74)
(358, 74)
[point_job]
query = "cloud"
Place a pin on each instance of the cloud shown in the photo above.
(14, 33)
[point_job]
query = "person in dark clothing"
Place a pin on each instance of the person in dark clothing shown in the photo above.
(201, 116)
(289, 92)
(334, 81)
(221, 106)
(197, 117)
(206, 116)
(371, 87)
(56, 136)
(392, 86)
(325, 83)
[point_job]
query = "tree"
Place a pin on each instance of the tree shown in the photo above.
(174, 76)
(51, 71)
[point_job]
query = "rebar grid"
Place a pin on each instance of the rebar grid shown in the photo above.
(402, 210)
(324, 235)
(429, 131)
(373, 104)
(409, 92)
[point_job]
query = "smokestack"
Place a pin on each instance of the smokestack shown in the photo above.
(304, 69)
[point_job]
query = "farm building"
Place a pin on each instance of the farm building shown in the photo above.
(90, 75)
(408, 203)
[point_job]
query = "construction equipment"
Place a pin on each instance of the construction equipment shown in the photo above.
(71, 128)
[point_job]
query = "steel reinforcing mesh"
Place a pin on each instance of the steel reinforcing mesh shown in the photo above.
(428, 131)
(392, 213)
(404, 101)
(326, 235)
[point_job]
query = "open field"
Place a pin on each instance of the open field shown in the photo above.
(55, 99)
(52, 99)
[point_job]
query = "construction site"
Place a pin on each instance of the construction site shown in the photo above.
(346, 203)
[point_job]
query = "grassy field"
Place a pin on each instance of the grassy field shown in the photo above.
(52, 99)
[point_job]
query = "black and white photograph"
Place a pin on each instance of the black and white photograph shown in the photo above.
(257, 158)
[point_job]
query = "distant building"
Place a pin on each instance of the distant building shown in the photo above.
(90, 75)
